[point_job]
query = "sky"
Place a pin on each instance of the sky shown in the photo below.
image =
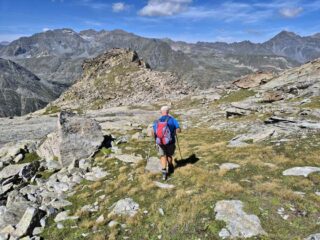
(180, 20)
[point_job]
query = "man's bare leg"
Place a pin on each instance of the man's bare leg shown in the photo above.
(164, 161)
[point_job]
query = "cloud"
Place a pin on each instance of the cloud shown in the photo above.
(164, 7)
(290, 12)
(45, 29)
(119, 7)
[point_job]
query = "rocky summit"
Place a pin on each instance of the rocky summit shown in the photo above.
(119, 77)
(21, 92)
(85, 167)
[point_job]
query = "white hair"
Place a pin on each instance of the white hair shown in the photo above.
(165, 109)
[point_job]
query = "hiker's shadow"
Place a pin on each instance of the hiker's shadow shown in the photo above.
(192, 159)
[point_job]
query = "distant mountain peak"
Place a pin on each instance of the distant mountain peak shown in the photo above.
(285, 33)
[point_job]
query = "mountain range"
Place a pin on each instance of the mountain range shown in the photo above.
(56, 56)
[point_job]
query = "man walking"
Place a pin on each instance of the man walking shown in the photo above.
(165, 130)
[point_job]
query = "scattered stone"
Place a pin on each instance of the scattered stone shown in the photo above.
(60, 225)
(27, 222)
(18, 158)
(125, 207)
(112, 224)
(300, 171)
(153, 165)
(161, 211)
(229, 166)
(11, 170)
(37, 230)
(96, 174)
(100, 219)
(317, 193)
(272, 96)
(315, 236)
(239, 223)
(60, 203)
(163, 185)
(63, 216)
(128, 158)
(28, 171)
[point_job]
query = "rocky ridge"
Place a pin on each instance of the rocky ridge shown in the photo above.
(119, 77)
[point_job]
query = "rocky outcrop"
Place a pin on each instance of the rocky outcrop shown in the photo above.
(76, 138)
(254, 80)
(21, 91)
(116, 78)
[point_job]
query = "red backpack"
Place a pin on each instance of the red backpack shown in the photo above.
(163, 133)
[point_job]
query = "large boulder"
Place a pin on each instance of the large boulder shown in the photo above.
(75, 138)
(239, 224)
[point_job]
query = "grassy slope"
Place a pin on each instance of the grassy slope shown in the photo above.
(199, 184)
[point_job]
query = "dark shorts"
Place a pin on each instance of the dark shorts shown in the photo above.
(166, 150)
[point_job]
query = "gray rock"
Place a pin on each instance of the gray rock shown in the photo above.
(28, 171)
(37, 230)
(126, 207)
(18, 158)
(27, 223)
(11, 170)
(76, 138)
(63, 216)
(85, 164)
(128, 158)
(239, 223)
(153, 165)
(229, 166)
(300, 171)
(163, 185)
(112, 224)
(96, 174)
(60, 203)
(315, 236)
(100, 219)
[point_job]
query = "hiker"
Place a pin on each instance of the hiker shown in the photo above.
(165, 130)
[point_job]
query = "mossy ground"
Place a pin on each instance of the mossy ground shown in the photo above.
(199, 184)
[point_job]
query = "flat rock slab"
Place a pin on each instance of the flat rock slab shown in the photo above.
(238, 222)
(300, 171)
(163, 185)
(128, 158)
(96, 174)
(154, 165)
(313, 237)
(125, 207)
(229, 166)
(11, 170)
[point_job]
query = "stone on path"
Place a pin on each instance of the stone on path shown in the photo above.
(63, 216)
(300, 171)
(125, 207)
(238, 223)
(163, 185)
(153, 165)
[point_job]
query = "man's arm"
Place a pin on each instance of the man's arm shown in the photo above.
(177, 126)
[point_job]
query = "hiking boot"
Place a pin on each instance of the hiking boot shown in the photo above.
(164, 175)
(170, 168)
